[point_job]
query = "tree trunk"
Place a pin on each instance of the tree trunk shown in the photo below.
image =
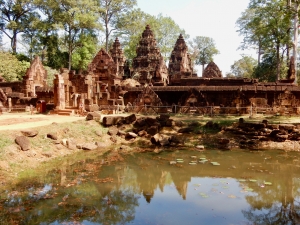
(70, 51)
(295, 44)
(14, 42)
(277, 62)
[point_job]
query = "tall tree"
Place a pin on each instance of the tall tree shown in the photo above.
(75, 18)
(267, 23)
(166, 33)
(244, 67)
(15, 15)
(293, 6)
(84, 55)
(203, 49)
(110, 11)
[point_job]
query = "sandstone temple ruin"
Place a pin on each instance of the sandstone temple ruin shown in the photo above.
(149, 85)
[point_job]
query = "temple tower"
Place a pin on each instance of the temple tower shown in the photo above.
(211, 71)
(180, 64)
(149, 66)
(118, 56)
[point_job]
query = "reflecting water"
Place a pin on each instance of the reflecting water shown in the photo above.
(239, 188)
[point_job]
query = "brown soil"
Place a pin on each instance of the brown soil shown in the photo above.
(15, 121)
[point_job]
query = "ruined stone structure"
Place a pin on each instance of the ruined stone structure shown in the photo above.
(101, 85)
(36, 76)
(211, 71)
(149, 85)
(28, 91)
(180, 64)
(148, 66)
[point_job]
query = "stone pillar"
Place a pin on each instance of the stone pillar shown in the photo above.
(9, 104)
(59, 92)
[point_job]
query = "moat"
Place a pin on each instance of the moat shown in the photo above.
(208, 187)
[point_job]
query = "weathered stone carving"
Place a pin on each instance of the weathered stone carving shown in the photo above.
(36, 76)
(149, 62)
(180, 64)
(118, 56)
(211, 71)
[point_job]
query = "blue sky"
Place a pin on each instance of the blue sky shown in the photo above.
(211, 18)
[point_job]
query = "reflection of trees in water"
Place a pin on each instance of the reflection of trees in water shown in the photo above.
(279, 204)
(118, 207)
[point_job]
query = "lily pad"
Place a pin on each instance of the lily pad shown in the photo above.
(193, 163)
(172, 162)
(215, 163)
(203, 161)
(203, 195)
(231, 196)
(248, 189)
(202, 158)
(193, 157)
(179, 159)
(267, 183)
(252, 180)
(242, 180)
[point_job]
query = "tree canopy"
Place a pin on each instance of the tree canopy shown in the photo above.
(244, 67)
(202, 50)
(11, 69)
(266, 26)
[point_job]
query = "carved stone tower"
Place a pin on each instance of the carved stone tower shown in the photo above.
(180, 65)
(211, 71)
(149, 66)
(118, 56)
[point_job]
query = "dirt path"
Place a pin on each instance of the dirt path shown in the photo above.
(17, 121)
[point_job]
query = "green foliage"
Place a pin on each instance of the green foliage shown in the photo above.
(244, 67)
(266, 26)
(265, 71)
(202, 50)
(131, 26)
(50, 75)
(11, 69)
(16, 16)
(83, 55)
(166, 33)
(110, 11)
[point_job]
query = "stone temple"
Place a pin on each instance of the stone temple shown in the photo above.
(149, 85)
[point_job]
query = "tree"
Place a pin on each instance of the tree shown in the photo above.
(266, 24)
(131, 26)
(244, 67)
(75, 18)
(15, 15)
(203, 49)
(83, 56)
(293, 6)
(166, 34)
(11, 69)
(129, 29)
(110, 11)
(266, 71)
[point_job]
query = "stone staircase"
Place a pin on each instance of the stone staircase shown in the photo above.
(68, 111)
